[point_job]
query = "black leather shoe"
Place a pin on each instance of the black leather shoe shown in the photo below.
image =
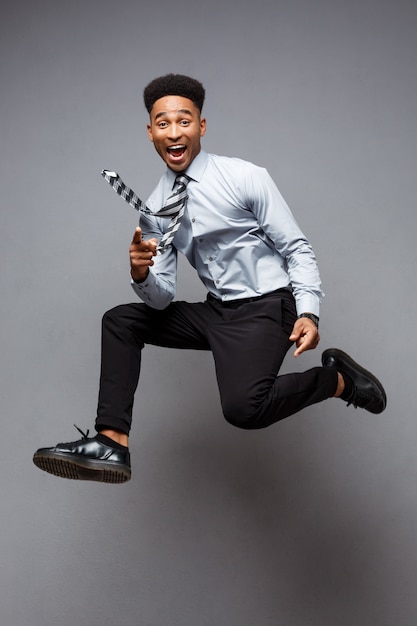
(367, 393)
(85, 459)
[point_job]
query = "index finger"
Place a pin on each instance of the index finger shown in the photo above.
(137, 236)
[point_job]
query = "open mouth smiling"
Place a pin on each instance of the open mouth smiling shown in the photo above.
(177, 151)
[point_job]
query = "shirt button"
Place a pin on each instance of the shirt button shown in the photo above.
(210, 258)
(193, 220)
(201, 240)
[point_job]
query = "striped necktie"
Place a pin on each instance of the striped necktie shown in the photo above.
(174, 207)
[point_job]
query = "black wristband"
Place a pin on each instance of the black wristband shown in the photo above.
(311, 317)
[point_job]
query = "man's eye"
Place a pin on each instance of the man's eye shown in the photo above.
(185, 122)
(162, 124)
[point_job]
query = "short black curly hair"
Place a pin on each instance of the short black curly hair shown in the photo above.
(174, 85)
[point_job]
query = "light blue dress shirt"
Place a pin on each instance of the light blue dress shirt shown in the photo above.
(237, 232)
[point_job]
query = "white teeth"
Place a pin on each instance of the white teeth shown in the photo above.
(179, 147)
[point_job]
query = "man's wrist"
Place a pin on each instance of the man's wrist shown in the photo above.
(139, 280)
(310, 316)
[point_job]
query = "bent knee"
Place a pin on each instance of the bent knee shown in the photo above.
(111, 318)
(114, 313)
(252, 416)
(123, 320)
(240, 416)
(123, 313)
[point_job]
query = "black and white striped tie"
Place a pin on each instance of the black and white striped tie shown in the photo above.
(174, 207)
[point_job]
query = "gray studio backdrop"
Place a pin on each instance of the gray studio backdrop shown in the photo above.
(311, 522)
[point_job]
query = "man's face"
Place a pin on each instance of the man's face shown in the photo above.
(175, 129)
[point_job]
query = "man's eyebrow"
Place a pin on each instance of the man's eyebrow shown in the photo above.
(164, 113)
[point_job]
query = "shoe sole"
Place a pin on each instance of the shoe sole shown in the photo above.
(79, 469)
(336, 354)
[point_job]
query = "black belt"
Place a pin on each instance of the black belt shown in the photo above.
(233, 304)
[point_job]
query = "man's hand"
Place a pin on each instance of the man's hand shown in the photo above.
(305, 334)
(141, 255)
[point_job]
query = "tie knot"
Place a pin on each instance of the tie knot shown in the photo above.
(182, 180)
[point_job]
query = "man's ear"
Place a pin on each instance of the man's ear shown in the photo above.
(149, 129)
(203, 126)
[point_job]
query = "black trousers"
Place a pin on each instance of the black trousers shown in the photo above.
(248, 339)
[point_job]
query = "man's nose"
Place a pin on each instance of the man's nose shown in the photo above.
(174, 131)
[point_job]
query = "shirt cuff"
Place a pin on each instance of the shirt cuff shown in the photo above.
(144, 289)
(152, 292)
(308, 304)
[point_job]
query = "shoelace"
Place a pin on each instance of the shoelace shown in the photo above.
(359, 399)
(84, 435)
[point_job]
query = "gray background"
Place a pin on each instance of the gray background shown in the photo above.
(311, 522)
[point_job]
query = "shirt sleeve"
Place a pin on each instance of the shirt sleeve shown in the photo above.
(159, 288)
(278, 223)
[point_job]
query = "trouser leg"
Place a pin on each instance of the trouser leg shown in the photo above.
(249, 347)
(125, 331)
